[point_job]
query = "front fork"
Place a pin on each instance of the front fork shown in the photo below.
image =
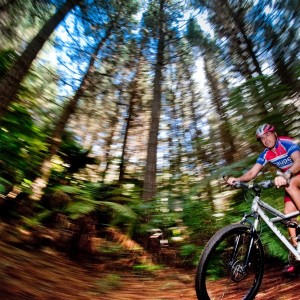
(253, 238)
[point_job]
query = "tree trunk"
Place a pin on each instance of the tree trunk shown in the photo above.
(41, 182)
(126, 131)
(226, 137)
(149, 188)
(11, 81)
(241, 27)
(133, 98)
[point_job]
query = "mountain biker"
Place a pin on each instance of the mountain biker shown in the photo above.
(284, 153)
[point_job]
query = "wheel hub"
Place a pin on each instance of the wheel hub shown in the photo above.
(238, 271)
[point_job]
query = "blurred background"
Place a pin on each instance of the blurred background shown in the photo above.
(118, 120)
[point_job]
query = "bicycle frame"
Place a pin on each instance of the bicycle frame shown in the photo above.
(259, 208)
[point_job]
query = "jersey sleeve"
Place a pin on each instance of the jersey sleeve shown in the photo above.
(290, 145)
(293, 149)
(262, 159)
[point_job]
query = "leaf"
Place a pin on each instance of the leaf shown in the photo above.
(120, 209)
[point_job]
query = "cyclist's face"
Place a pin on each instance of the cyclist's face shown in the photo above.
(268, 139)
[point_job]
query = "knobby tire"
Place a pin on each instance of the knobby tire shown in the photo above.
(221, 274)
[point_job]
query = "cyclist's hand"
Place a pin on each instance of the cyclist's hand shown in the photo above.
(280, 181)
(231, 180)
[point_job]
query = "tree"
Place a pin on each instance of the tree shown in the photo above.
(135, 96)
(149, 188)
(229, 21)
(226, 138)
(54, 142)
(20, 20)
(11, 81)
(276, 34)
(217, 87)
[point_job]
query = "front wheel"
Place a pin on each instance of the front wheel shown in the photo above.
(224, 272)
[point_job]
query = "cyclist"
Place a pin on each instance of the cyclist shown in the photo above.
(284, 153)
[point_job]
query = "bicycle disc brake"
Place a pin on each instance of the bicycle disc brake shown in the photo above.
(238, 272)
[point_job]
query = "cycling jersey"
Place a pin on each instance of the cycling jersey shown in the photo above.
(281, 156)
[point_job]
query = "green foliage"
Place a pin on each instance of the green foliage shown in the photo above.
(120, 210)
(78, 200)
(111, 249)
(73, 154)
(5, 185)
(199, 38)
(147, 268)
(198, 216)
(6, 60)
(273, 246)
(87, 198)
(187, 250)
(257, 99)
(80, 208)
(236, 168)
(150, 17)
(37, 219)
(22, 145)
(190, 254)
(108, 283)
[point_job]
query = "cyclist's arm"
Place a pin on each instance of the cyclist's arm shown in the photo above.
(284, 179)
(294, 169)
(248, 175)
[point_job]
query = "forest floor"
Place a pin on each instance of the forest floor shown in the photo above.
(46, 274)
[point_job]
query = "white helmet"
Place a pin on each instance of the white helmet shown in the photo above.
(263, 129)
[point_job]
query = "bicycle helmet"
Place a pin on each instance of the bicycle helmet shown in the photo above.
(261, 130)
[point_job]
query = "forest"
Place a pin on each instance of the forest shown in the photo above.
(119, 120)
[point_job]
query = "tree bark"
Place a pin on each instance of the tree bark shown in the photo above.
(149, 188)
(226, 136)
(56, 139)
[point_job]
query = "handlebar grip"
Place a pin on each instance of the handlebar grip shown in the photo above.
(238, 184)
(267, 184)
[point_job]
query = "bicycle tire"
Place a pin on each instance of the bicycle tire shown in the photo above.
(219, 276)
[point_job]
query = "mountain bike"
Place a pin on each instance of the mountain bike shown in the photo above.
(232, 262)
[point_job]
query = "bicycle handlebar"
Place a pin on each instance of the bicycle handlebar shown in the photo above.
(253, 186)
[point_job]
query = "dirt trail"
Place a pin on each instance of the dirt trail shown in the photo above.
(179, 285)
(48, 275)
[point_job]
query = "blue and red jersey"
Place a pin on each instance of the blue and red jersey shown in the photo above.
(281, 157)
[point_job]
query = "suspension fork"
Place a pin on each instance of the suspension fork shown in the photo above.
(254, 237)
(247, 257)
